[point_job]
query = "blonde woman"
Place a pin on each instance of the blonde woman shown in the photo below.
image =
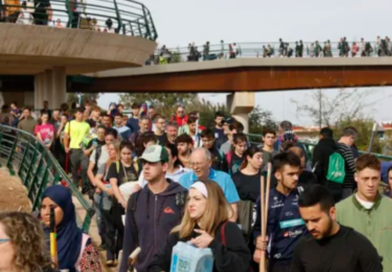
(22, 244)
(206, 225)
(105, 189)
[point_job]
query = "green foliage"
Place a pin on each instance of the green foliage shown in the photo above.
(176, 57)
(74, 98)
(364, 128)
(260, 119)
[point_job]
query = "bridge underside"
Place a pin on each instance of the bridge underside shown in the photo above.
(245, 79)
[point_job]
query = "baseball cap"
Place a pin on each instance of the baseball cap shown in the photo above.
(155, 153)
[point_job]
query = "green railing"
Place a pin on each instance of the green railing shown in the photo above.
(259, 50)
(28, 158)
(127, 17)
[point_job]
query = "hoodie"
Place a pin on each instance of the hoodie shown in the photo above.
(322, 151)
(155, 216)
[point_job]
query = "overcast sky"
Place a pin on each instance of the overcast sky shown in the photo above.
(180, 22)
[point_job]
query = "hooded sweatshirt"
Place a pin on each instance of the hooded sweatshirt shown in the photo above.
(155, 216)
(322, 151)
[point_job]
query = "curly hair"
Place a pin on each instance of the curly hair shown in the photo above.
(28, 239)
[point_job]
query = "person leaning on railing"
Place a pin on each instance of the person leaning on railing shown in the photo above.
(43, 12)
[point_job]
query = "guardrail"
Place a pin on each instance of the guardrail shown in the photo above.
(27, 157)
(259, 50)
(125, 17)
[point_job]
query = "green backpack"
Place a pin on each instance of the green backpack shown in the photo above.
(336, 168)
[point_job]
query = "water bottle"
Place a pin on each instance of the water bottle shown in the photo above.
(188, 258)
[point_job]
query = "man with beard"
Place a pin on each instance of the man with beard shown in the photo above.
(333, 248)
(219, 161)
(285, 226)
(171, 133)
(184, 146)
(219, 134)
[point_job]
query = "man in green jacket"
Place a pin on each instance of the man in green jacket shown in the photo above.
(368, 211)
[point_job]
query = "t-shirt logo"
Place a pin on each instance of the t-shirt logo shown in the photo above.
(168, 210)
(150, 150)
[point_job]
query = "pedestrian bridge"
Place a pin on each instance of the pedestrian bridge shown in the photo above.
(245, 74)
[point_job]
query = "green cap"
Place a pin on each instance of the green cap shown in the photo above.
(155, 153)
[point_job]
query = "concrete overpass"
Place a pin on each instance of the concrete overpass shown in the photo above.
(243, 77)
(237, 75)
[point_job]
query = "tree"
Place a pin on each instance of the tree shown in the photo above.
(260, 119)
(74, 98)
(325, 110)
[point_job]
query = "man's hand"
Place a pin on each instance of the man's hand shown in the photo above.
(203, 240)
(260, 244)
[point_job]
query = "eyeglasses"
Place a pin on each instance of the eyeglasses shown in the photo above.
(2, 241)
(197, 164)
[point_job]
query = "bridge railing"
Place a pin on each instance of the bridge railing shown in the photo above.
(127, 17)
(255, 50)
(28, 158)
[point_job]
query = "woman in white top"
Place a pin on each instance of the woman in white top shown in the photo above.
(25, 17)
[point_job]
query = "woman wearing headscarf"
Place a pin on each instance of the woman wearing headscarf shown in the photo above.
(75, 249)
(206, 225)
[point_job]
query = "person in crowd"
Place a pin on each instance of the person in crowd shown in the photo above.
(133, 121)
(283, 127)
(367, 210)
(171, 133)
(25, 17)
(151, 112)
(59, 143)
(180, 118)
(247, 182)
(123, 131)
(184, 144)
(95, 117)
(219, 161)
(56, 118)
(344, 148)
(42, 12)
(206, 224)
(354, 49)
(330, 246)
(269, 152)
(109, 26)
(59, 24)
(160, 127)
(106, 121)
(201, 161)
(143, 128)
(75, 131)
(6, 117)
(103, 201)
(218, 129)
(306, 177)
(235, 158)
(388, 192)
(45, 131)
(193, 132)
(153, 211)
(285, 226)
(26, 122)
(15, 111)
(247, 179)
(22, 244)
(321, 154)
(75, 249)
(231, 127)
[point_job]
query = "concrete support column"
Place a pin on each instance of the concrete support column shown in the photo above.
(50, 85)
(39, 88)
(59, 87)
(240, 105)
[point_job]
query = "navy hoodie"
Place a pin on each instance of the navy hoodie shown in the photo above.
(155, 217)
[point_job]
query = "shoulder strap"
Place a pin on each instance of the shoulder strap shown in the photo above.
(136, 166)
(118, 167)
(132, 206)
(223, 236)
(229, 157)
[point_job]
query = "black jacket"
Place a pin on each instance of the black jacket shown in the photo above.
(234, 257)
(153, 220)
(322, 151)
(219, 161)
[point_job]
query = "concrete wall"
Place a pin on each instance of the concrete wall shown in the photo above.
(26, 49)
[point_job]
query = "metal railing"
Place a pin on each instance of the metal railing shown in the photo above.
(25, 156)
(125, 17)
(259, 50)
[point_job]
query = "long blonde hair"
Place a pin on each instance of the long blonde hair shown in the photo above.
(116, 146)
(217, 211)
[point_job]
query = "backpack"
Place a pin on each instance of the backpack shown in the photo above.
(336, 168)
(135, 166)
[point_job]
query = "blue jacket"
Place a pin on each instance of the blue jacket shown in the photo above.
(285, 225)
(155, 217)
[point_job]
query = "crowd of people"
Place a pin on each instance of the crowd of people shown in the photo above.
(157, 180)
(361, 48)
(40, 12)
